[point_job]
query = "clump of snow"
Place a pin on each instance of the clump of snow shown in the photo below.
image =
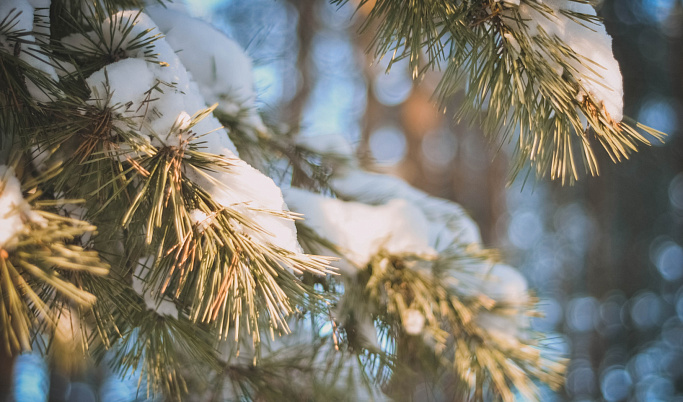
(166, 120)
(329, 144)
(123, 82)
(22, 14)
(222, 70)
(413, 321)
(508, 288)
(505, 284)
(596, 69)
(151, 94)
(15, 212)
(361, 231)
(448, 221)
(162, 305)
(200, 219)
(248, 191)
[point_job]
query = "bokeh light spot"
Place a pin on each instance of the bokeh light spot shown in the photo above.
(581, 314)
(30, 378)
(615, 384)
(388, 144)
(668, 259)
(439, 148)
(526, 229)
(646, 310)
(676, 191)
(658, 113)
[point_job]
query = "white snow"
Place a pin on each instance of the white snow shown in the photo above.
(361, 231)
(15, 212)
(255, 195)
(30, 53)
(124, 81)
(39, 3)
(162, 305)
(23, 21)
(508, 288)
(589, 40)
(507, 329)
(413, 321)
(448, 222)
(129, 84)
(505, 284)
(327, 144)
(222, 70)
(166, 121)
(201, 219)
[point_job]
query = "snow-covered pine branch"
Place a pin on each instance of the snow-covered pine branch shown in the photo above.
(125, 107)
(404, 257)
(41, 269)
(536, 73)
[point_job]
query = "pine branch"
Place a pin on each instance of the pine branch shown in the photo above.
(512, 88)
(303, 167)
(397, 286)
(157, 350)
(201, 262)
(38, 259)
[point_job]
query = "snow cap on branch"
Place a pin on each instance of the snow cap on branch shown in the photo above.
(361, 231)
(15, 212)
(151, 93)
(220, 67)
(163, 115)
(448, 221)
(20, 15)
(596, 69)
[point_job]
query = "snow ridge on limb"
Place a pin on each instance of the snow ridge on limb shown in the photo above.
(577, 26)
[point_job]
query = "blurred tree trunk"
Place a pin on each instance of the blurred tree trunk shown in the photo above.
(5, 374)
(306, 28)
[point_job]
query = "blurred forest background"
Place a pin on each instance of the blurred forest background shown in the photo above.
(605, 256)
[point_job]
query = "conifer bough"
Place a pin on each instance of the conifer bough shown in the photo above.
(182, 265)
(537, 72)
